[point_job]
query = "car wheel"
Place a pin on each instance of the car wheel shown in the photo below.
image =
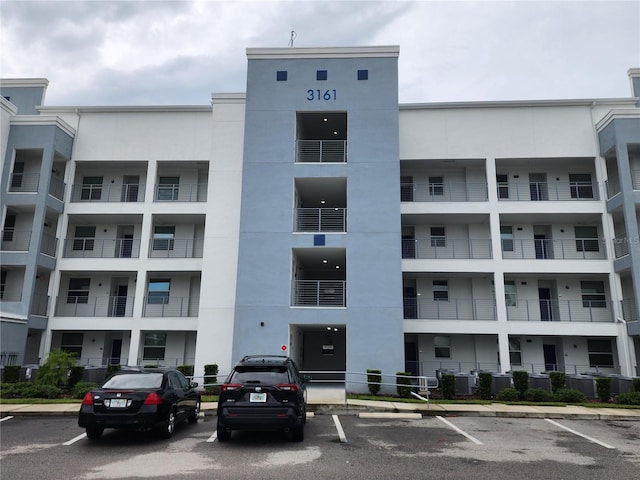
(193, 418)
(169, 425)
(223, 433)
(297, 433)
(94, 433)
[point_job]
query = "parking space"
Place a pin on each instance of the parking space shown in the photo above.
(335, 446)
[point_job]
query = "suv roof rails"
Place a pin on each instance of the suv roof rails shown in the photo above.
(263, 358)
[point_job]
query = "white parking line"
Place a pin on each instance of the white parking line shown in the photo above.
(605, 445)
(74, 440)
(343, 437)
(213, 437)
(461, 432)
(9, 417)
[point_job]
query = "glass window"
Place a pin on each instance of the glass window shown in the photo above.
(163, 237)
(506, 236)
(436, 186)
(587, 239)
(72, 342)
(580, 185)
(84, 238)
(281, 76)
(440, 290)
(593, 295)
(515, 352)
(438, 238)
(3, 282)
(442, 346)
(159, 291)
(321, 75)
(91, 188)
(168, 188)
(503, 185)
(510, 296)
(16, 177)
(78, 290)
(9, 228)
(363, 74)
(600, 352)
(154, 346)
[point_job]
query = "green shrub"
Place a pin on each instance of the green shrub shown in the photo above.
(629, 398)
(448, 385)
(151, 365)
(402, 379)
(568, 395)
(603, 386)
(80, 389)
(374, 378)
(111, 369)
(538, 395)
(558, 381)
(508, 395)
(520, 382)
(11, 373)
(28, 390)
(187, 370)
(55, 370)
(75, 375)
(636, 384)
(485, 380)
(210, 379)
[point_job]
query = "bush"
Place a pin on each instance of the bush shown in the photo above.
(448, 385)
(520, 382)
(28, 390)
(629, 398)
(80, 389)
(568, 395)
(401, 380)
(211, 377)
(11, 373)
(538, 395)
(75, 375)
(485, 380)
(636, 384)
(603, 386)
(374, 378)
(558, 381)
(111, 369)
(187, 370)
(508, 395)
(55, 370)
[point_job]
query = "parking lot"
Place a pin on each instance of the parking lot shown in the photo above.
(335, 446)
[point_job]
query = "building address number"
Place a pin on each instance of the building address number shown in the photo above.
(320, 95)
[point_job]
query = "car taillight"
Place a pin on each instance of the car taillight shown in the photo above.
(289, 387)
(88, 399)
(153, 399)
(230, 386)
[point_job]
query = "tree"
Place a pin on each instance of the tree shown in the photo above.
(55, 370)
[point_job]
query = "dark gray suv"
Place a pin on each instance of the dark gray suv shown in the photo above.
(263, 392)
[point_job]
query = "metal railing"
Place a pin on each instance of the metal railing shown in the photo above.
(548, 249)
(94, 306)
(447, 248)
(452, 309)
(15, 240)
(444, 192)
(180, 192)
(552, 191)
(24, 182)
(9, 295)
(320, 219)
(57, 188)
(171, 306)
(9, 358)
(83, 247)
(48, 245)
(109, 192)
(449, 366)
(621, 246)
(321, 151)
(319, 293)
(39, 305)
(561, 311)
(176, 248)
(629, 309)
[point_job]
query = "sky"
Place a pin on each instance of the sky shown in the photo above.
(155, 52)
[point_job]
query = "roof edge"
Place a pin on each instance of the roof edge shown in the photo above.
(323, 52)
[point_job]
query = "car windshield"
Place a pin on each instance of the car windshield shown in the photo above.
(135, 380)
(259, 374)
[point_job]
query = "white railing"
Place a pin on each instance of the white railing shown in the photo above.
(15, 240)
(24, 182)
(547, 249)
(621, 246)
(101, 248)
(553, 191)
(443, 192)
(452, 309)
(94, 306)
(321, 151)
(321, 219)
(109, 192)
(176, 248)
(319, 293)
(629, 310)
(181, 192)
(171, 306)
(447, 248)
(561, 310)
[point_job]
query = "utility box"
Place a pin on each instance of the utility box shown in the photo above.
(585, 383)
(540, 380)
(464, 383)
(620, 384)
(500, 382)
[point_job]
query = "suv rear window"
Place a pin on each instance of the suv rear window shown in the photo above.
(260, 374)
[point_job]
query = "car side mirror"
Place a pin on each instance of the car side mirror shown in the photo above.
(193, 384)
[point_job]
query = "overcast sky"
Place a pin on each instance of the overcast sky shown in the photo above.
(172, 52)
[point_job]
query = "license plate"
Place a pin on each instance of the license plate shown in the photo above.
(118, 403)
(258, 397)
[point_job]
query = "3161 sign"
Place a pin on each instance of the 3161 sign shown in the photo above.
(319, 95)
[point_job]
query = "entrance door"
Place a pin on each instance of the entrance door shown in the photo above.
(411, 363)
(546, 304)
(126, 246)
(541, 246)
(116, 351)
(120, 302)
(550, 357)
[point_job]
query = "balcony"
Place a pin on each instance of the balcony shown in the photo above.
(538, 310)
(629, 310)
(321, 151)
(621, 246)
(18, 241)
(101, 248)
(446, 249)
(110, 192)
(545, 191)
(546, 249)
(320, 219)
(319, 293)
(452, 309)
(443, 192)
(94, 306)
(39, 304)
(171, 306)
(24, 182)
(176, 248)
(181, 192)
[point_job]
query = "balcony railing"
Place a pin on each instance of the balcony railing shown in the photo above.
(443, 192)
(39, 305)
(110, 192)
(629, 310)
(547, 249)
(621, 246)
(561, 310)
(56, 188)
(171, 306)
(553, 191)
(181, 192)
(9, 295)
(319, 293)
(94, 306)
(431, 368)
(176, 248)
(321, 151)
(24, 182)
(102, 248)
(441, 248)
(321, 219)
(48, 245)
(15, 240)
(452, 309)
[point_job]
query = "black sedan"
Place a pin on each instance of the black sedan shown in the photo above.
(140, 399)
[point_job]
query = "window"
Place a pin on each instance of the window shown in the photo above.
(281, 76)
(503, 185)
(84, 238)
(168, 189)
(587, 239)
(436, 186)
(515, 352)
(78, 290)
(71, 342)
(18, 173)
(9, 228)
(3, 282)
(580, 185)
(440, 291)
(363, 74)
(600, 352)
(91, 188)
(154, 346)
(442, 346)
(506, 236)
(321, 75)
(510, 296)
(438, 238)
(593, 295)
(158, 292)
(163, 238)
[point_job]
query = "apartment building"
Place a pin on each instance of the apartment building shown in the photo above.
(315, 216)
